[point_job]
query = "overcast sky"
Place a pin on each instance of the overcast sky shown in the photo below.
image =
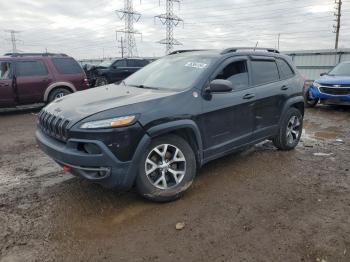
(86, 28)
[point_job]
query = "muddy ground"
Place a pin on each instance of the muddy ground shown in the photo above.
(259, 205)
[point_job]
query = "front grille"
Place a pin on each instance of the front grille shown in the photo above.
(53, 126)
(339, 91)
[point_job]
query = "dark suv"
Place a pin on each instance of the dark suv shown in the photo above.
(161, 124)
(114, 71)
(28, 78)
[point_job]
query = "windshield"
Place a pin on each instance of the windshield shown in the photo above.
(174, 72)
(342, 69)
(106, 63)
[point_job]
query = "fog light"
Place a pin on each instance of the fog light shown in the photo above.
(91, 149)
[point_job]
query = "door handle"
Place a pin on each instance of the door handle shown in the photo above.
(248, 96)
(284, 88)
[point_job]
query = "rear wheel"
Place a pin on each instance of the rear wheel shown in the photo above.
(167, 169)
(290, 130)
(58, 93)
(101, 81)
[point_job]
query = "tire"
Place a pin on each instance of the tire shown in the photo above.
(58, 93)
(160, 185)
(101, 81)
(290, 130)
(309, 102)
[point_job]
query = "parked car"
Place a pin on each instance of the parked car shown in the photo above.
(114, 71)
(332, 88)
(29, 78)
(162, 123)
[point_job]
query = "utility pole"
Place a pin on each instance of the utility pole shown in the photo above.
(13, 39)
(337, 15)
(170, 20)
(121, 46)
(278, 41)
(129, 15)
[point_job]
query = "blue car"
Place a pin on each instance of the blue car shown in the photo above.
(331, 88)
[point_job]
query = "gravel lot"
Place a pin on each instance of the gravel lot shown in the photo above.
(259, 205)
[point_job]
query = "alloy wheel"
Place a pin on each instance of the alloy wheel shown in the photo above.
(165, 166)
(293, 129)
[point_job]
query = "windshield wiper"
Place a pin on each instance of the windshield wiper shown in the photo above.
(145, 87)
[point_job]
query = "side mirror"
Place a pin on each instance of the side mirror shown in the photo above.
(220, 86)
(323, 74)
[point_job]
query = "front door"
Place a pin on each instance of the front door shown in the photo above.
(32, 78)
(7, 94)
(228, 118)
(119, 71)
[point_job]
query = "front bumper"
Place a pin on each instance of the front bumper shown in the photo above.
(102, 167)
(315, 93)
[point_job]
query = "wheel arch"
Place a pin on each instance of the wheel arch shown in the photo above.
(296, 102)
(53, 86)
(187, 129)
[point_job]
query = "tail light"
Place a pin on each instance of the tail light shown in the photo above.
(86, 82)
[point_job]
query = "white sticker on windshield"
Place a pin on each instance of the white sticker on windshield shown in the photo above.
(196, 65)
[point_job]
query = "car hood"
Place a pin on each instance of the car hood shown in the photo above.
(80, 105)
(334, 80)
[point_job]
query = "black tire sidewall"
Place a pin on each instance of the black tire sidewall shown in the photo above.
(283, 131)
(148, 190)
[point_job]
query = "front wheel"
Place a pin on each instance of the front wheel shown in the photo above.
(309, 101)
(290, 130)
(58, 93)
(101, 81)
(167, 169)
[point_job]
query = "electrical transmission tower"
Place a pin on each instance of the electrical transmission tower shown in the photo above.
(170, 20)
(337, 15)
(121, 46)
(129, 15)
(13, 39)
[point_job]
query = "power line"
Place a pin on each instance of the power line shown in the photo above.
(129, 16)
(170, 20)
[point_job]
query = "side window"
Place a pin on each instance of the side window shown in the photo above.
(120, 63)
(285, 70)
(264, 72)
(67, 66)
(31, 68)
(237, 73)
(5, 70)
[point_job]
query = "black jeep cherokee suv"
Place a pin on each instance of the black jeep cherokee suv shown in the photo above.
(161, 124)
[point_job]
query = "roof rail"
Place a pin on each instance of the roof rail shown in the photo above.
(235, 49)
(33, 54)
(185, 51)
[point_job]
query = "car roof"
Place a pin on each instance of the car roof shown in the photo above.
(21, 56)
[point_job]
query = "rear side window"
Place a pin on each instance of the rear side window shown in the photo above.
(67, 66)
(137, 63)
(264, 72)
(31, 68)
(5, 70)
(237, 73)
(285, 70)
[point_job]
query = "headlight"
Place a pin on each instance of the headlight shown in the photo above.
(113, 122)
(316, 84)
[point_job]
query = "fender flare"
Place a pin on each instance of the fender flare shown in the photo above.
(57, 84)
(292, 101)
(177, 125)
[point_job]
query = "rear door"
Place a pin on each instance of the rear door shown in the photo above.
(7, 95)
(136, 64)
(228, 118)
(269, 95)
(32, 79)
